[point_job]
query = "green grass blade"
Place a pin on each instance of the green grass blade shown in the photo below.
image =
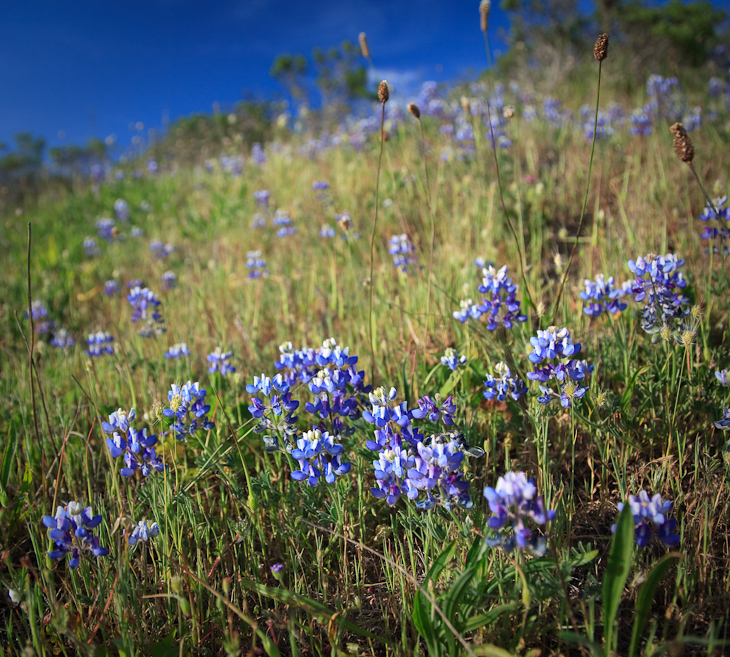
(617, 572)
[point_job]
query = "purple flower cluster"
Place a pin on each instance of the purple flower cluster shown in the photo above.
(136, 446)
(41, 323)
(504, 385)
(499, 306)
(62, 339)
(256, 265)
(319, 456)
(514, 501)
(723, 424)
(657, 280)
(451, 359)
(720, 231)
(276, 415)
(145, 304)
(177, 350)
(99, 344)
(121, 209)
(111, 287)
(161, 250)
(602, 296)
(650, 518)
(143, 532)
(555, 344)
(219, 362)
(106, 228)
(401, 248)
(188, 410)
(72, 531)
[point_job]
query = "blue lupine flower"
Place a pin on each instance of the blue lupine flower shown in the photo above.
(136, 231)
(232, 164)
(146, 304)
(603, 296)
(262, 198)
(665, 98)
(451, 358)
(40, 322)
(143, 533)
(401, 248)
(152, 166)
(500, 307)
(657, 277)
(219, 362)
(556, 344)
(390, 473)
(513, 502)
(111, 287)
(429, 408)
(641, 123)
(264, 384)
(169, 280)
(256, 264)
(318, 455)
(71, 529)
(344, 221)
(63, 339)
(188, 410)
(277, 568)
(469, 310)
(320, 185)
(136, 446)
(177, 350)
(106, 228)
(436, 470)
(723, 424)
(327, 232)
(505, 385)
(161, 250)
(99, 344)
(121, 209)
(259, 221)
(722, 377)
(650, 516)
(257, 154)
(91, 248)
(721, 231)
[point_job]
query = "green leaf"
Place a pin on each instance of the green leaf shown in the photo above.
(617, 572)
(488, 650)
(646, 597)
(8, 457)
(487, 618)
(626, 397)
(165, 647)
(579, 639)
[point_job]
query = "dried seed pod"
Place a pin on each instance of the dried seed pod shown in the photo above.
(364, 45)
(383, 92)
(600, 50)
(413, 109)
(682, 144)
(484, 7)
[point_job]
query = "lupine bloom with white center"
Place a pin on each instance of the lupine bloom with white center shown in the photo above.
(256, 265)
(403, 252)
(722, 377)
(257, 154)
(121, 209)
(63, 339)
(41, 322)
(99, 344)
(143, 532)
(72, 531)
(188, 410)
(177, 350)
(602, 296)
(136, 446)
(500, 305)
(556, 344)
(262, 198)
(169, 280)
(515, 503)
(259, 221)
(136, 231)
(327, 232)
(718, 230)
(656, 286)
(106, 228)
(319, 456)
(91, 248)
(469, 310)
(161, 250)
(451, 359)
(650, 519)
(111, 287)
(723, 424)
(219, 362)
(503, 385)
(436, 471)
(145, 304)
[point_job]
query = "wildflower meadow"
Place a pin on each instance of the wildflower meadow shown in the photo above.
(449, 378)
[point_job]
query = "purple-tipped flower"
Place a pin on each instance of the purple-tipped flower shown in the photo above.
(145, 304)
(656, 286)
(403, 252)
(111, 287)
(451, 359)
(63, 339)
(99, 344)
(602, 296)
(499, 305)
(256, 265)
(72, 531)
(723, 424)
(504, 385)
(121, 209)
(514, 502)
(319, 456)
(136, 447)
(650, 519)
(219, 362)
(718, 230)
(177, 350)
(161, 250)
(262, 198)
(143, 532)
(327, 232)
(169, 280)
(106, 228)
(91, 248)
(722, 377)
(188, 410)
(41, 322)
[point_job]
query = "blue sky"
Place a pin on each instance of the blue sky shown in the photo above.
(92, 68)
